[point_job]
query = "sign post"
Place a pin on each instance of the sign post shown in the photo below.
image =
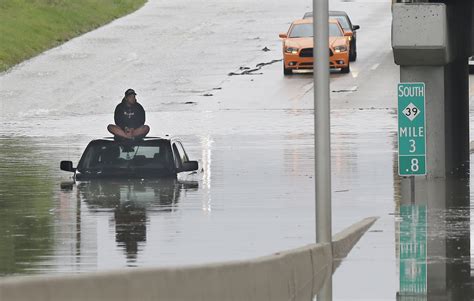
(411, 129)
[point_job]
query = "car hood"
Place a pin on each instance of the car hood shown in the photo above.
(308, 42)
(299, 42)
(123, 173)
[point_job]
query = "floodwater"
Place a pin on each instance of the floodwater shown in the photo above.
(428, 248)
(252, 134)
(253, 196)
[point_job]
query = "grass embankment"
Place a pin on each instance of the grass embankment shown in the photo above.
(29, 27)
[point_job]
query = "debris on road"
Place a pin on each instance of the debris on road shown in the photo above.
(249, 71)
(345, 90)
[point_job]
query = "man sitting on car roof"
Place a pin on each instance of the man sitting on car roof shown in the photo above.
(129, 118)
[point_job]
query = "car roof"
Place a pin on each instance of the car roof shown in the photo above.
(165, 138)
(303, 21)
(309, 14)
(310, 21)
(337, 13)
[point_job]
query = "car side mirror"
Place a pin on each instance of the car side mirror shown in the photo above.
(283, 35)
(67, 166)
(355, 27)
(190, 166)
(348, 33)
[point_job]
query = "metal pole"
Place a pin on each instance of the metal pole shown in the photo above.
(322, 121)
(322, 141)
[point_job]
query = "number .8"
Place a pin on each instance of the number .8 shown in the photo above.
(415, 165)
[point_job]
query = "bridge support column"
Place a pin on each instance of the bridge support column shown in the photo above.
(431, 43)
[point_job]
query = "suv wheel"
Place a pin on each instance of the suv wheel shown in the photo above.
(353, 52)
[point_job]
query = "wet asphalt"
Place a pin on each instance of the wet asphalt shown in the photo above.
(252, 133)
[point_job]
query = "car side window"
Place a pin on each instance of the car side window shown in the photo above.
(177, 160)
(349, 22)
(180, 155)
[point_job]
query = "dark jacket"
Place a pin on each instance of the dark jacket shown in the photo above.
(130, 117)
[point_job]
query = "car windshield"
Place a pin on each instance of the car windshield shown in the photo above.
(107, 156)
(335, 30)
(302, 31)
(306, 30)
(343, 21)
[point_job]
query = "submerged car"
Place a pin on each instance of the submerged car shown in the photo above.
(347, 26)
(298, 46)
(147, 158)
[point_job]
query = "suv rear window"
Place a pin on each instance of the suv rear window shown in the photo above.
(343, 21)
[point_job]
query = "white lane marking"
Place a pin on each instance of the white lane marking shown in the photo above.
(374, 67)
(355, 74)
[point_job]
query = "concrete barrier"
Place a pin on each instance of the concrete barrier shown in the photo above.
(291, 275)
(344, 241)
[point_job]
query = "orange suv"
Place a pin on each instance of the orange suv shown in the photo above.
(298, 46)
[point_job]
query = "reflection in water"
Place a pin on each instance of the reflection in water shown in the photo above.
(413, 225)
(25, 200)
(206, 166)
(130, 228)
(434, 240)
(130, 201)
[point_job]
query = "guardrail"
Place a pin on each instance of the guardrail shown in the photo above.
(291, 275)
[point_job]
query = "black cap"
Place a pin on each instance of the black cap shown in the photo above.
(130, 92)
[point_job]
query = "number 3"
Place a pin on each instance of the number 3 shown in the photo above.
(412, 146)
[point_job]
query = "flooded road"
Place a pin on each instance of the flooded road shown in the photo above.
(252, 198)
(253, 136)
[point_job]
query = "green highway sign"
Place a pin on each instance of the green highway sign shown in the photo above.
(413, 250)
(411, 129)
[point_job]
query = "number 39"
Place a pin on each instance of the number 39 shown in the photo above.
(410, 111)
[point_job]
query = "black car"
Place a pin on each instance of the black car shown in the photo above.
(347, 26)
(143, 159)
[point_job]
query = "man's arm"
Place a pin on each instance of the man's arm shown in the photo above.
(118, 116)
(141, 115)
